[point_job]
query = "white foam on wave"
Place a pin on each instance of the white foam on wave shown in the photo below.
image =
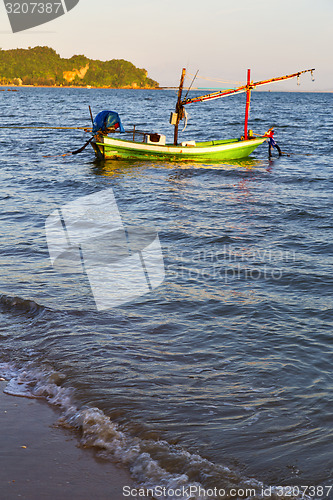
(139, 456)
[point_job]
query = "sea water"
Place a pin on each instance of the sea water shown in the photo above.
(218, 382)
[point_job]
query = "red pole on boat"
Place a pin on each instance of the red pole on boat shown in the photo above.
(248, 97)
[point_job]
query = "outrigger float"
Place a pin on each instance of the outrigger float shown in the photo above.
(152, 146)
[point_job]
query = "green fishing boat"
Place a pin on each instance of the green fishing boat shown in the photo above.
(153, 146)
(230, 149)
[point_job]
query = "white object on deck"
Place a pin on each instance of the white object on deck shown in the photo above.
(155, 139)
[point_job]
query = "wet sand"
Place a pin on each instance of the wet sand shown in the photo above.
(39, 460)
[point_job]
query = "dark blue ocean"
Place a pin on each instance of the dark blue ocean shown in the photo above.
(221, 376)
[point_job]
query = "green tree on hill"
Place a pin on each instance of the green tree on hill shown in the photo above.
(43, 66)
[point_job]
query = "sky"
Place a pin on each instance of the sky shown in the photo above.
(219, 38)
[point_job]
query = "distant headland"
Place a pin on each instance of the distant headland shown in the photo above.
(42, 66)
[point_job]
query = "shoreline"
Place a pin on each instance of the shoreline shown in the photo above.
(87, 87)
(16, 87)
(40, 459)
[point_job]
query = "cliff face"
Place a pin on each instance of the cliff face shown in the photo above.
(69, 76)
(43, 66)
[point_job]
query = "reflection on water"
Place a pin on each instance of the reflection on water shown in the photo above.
(122, 167)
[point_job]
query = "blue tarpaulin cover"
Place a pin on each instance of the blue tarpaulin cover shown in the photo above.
(107, 119)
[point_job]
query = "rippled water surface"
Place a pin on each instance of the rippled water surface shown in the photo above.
(222, 374)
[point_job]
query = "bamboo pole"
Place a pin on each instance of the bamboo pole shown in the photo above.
(224, 93)
(91, 115)
(86, 129)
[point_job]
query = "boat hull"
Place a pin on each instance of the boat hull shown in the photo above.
(203, 151)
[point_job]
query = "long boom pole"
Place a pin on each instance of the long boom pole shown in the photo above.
(243, 88)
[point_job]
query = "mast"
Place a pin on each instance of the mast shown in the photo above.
(248, 98)
(179, 106)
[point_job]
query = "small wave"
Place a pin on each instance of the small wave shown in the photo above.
(298, 213)
(19, 305)
(155, 465)
(225, 239)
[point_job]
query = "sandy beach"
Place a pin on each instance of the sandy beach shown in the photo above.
(39, 460)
